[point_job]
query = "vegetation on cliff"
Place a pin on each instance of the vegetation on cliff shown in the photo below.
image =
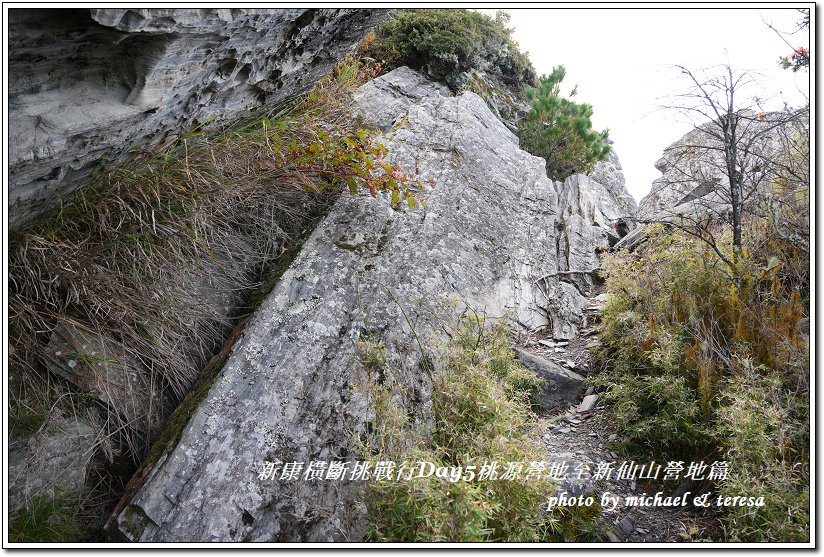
(470, 50)
(137, 256)
(702, 363)
(560, 130)
(482, 417)
(448, 43)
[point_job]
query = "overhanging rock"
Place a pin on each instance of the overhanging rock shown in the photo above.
(87, 85)
(288, 391)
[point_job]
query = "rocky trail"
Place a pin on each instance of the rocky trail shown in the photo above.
(578, 438)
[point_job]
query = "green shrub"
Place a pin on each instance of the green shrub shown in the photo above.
(448, 43)
(705, 364)
(480, 399)
(560, 130)
(764, 437)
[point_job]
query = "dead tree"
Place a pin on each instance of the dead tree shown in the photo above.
(729, 161)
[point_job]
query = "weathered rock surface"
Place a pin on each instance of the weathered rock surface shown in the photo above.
(689, 174)
(53, 462)
(396, 96)
(596, 211)
(288, 393)
(87, 85)
(562, 386)
(694, 172)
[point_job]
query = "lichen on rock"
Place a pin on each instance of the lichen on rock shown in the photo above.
(485, 240)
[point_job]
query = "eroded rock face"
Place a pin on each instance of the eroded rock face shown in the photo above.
(694, 176)
(596, 211)
(688, 174)
(86, 85)
(289, 392)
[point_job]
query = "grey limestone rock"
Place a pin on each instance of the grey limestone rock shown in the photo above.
(87, 85)
(562, 387)
(596, 211)
(693, 169)
(396, 96)
(289, 391)
(52, 463)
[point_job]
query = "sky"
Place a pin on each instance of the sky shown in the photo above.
(621, 60)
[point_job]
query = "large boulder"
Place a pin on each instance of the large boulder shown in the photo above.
(485, 240)
(87, 85)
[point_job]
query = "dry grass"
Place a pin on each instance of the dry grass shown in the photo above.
(149, 255)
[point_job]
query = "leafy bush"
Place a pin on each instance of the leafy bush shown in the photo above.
(705, 364)
(560, 130)
(480, 400)
(448, 43)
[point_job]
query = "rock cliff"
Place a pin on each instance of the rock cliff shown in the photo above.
(694, 175)
(87, 85)
(496, 235)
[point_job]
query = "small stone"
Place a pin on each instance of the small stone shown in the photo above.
(612, 537)
(574, 421)
(71, 363)
(546, 343)
(588, 403)
(564, 430)
(590, 390)
(560, 350)
(613, 437)
(570, 364)
(626, 525)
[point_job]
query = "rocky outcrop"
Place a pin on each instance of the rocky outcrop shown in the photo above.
(596, 211)
(486, 240)
(87, 85)
(694, 175)
(689, 173)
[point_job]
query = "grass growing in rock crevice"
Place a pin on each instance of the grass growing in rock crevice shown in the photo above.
(139, 254)
(481, 414)
(161, 255)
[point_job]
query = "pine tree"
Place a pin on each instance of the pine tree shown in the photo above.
(560, 130)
